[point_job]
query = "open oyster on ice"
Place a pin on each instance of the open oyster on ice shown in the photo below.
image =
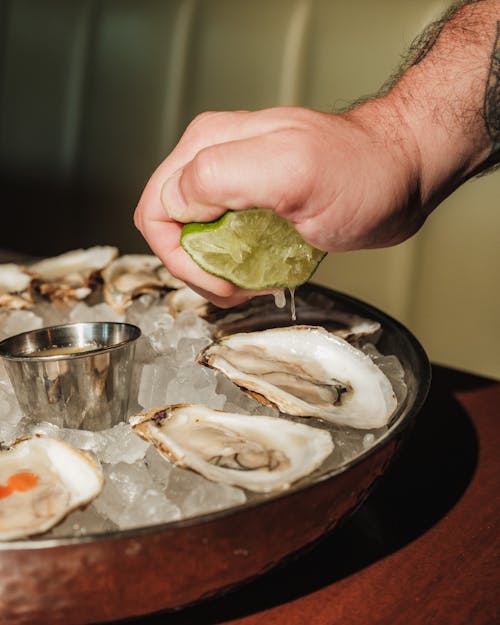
(259, 453)
(261, 312)
(15, 287)
(41, 481)
(133, 275)
(306, 371)
(184, 299)
(72, 275)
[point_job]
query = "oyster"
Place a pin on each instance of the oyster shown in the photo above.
(15, 287)
(261, 312)
(133, 275)
(41, 481)
(72, 275)
(186, 299)
(258, 453)
(306, 371)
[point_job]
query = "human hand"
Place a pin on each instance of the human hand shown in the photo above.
(363, 179)
(344, 181)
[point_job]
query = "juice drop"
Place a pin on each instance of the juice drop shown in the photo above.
(280, 301)
(293, 311)
(279, 298)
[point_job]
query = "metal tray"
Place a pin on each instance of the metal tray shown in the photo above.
(123, 574)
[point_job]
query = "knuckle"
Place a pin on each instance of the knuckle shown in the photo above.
(203, 173)
(300, 168)
(206, 124)
(198, 127)
(212, 125)
(200, 120)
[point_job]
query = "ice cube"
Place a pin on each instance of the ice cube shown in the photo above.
(144, 350)
(155, 322)
(100, 312)
(159, 467)
(17, 321)
(392, 367)
(192, 493)
(139, 310)
(130, 497)
(189, 325)
(154, 381)
(10, 415)
(196, 495)
(46, 429)
(192, 386)
(120, 444)
(368, 440)
(53, 313)
(188, 349)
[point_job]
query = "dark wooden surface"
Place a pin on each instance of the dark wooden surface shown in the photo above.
(422, 550)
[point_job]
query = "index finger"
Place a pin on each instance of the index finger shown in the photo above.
(163, 235)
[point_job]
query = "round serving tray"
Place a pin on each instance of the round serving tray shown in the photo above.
(123, 574)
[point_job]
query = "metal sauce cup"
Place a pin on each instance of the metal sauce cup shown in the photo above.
(76, 375)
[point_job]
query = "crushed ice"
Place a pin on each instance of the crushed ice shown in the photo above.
(141, 488)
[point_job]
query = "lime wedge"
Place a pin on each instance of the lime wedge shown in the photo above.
(254, 249)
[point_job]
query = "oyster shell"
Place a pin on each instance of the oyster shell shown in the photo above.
(41, 481)
(258, 453)
(186, 299)
(133, 275)
(261, 312)
(306, 371)
(72, 275)
(15, 287)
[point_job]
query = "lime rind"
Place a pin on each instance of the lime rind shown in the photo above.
(254, 249)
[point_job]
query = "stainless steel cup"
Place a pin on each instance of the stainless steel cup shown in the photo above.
(76, 375)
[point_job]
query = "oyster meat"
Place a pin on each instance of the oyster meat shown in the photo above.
(72, 275)
(133, 275)
(41, 481)
(259, 453)
(15, 287)
(306, 371)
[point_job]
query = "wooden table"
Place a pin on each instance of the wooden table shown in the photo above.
(422, 550)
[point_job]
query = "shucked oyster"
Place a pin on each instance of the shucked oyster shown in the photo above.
(258, 453)
(184, 299)
(41, 481)
(306, 371)
(261, 312)
(72, 275)
(15, 286)
(133, 275)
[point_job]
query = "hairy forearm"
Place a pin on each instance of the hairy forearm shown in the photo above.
(448, 100)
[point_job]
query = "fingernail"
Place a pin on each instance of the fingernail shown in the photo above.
(171, 196)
